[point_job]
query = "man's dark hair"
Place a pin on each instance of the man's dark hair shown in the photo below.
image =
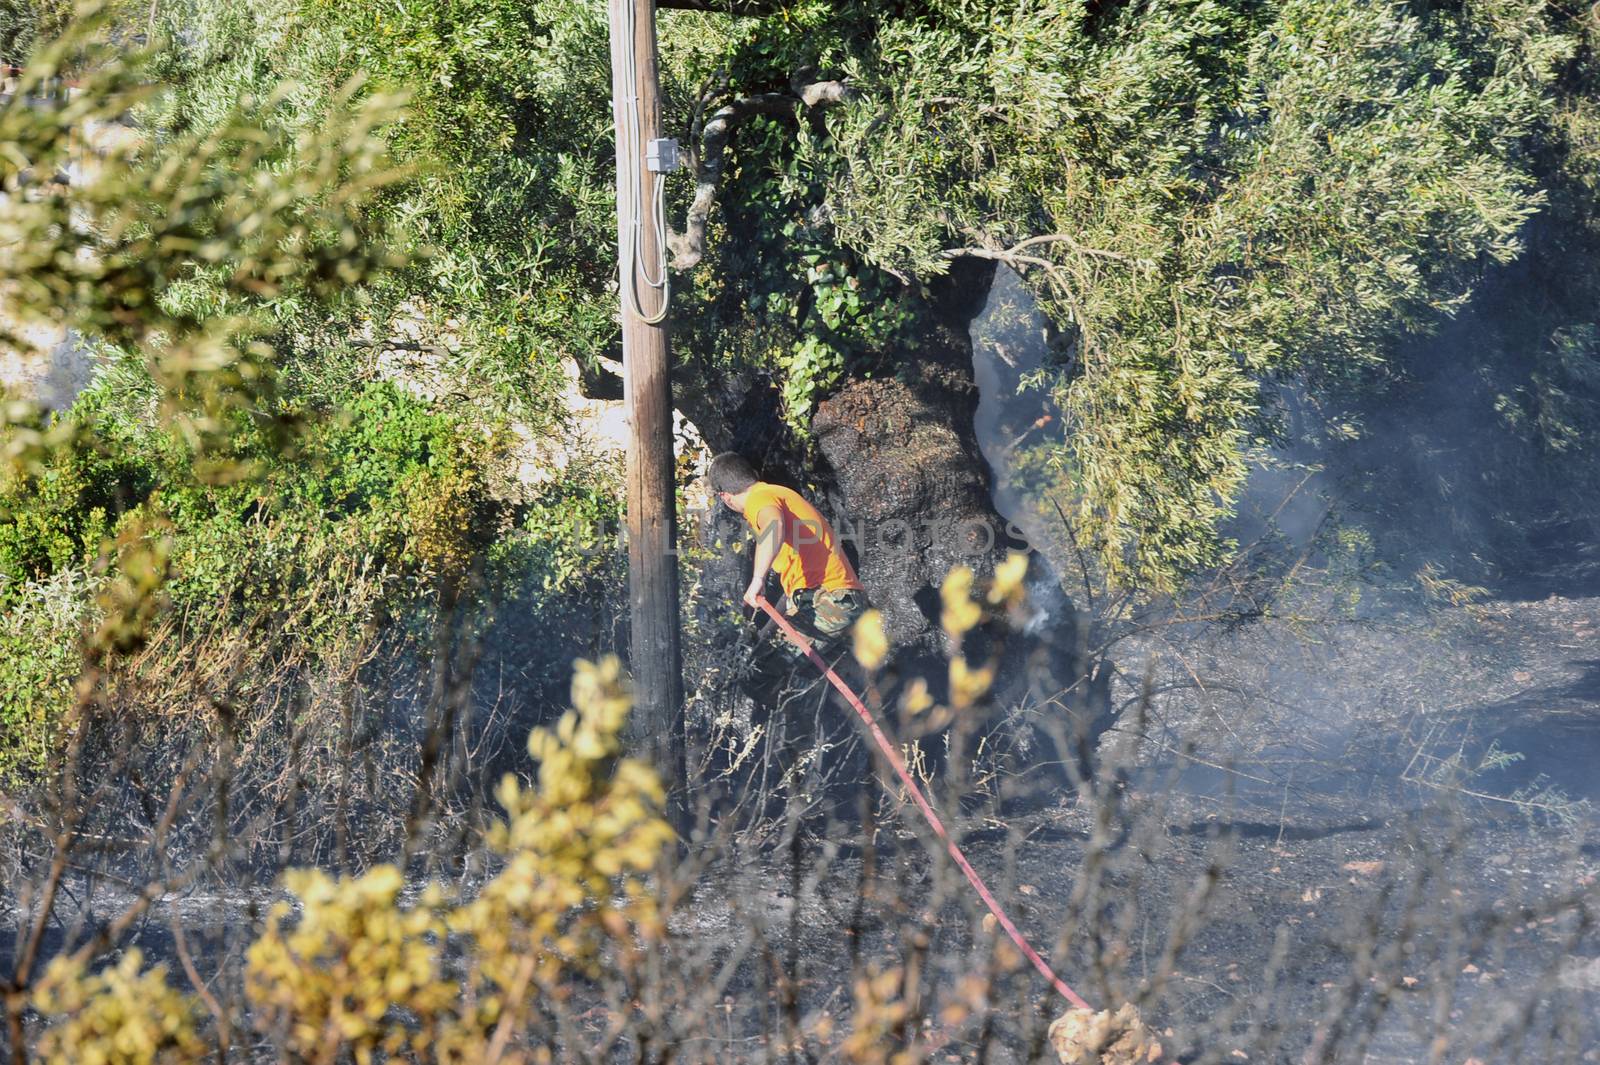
(729, 472)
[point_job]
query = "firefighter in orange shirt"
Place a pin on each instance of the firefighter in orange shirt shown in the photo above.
(820, 591)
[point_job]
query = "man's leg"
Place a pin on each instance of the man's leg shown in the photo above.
(781, 670)
(774, 661)
(833, 613)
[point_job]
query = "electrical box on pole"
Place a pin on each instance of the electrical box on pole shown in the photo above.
(643, 159)
(661, 155)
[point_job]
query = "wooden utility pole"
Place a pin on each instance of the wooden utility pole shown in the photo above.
(657, 721)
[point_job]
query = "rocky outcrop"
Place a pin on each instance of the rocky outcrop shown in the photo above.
(52, 367)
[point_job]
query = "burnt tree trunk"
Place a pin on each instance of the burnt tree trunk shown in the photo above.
(898, 470)
(912, 482)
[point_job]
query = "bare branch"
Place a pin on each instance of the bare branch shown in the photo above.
(1048, 238)
(1054, 274)
(1017, 261)
(1000, 255)
(707, 145)
(1081, 249)
(747, 8)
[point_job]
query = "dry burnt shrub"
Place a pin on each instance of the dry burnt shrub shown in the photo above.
(850, 935)
(205, 749)
(356, 967)
(839, 934)
(296, 730)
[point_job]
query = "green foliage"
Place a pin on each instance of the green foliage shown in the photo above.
(1230, 193)
(1209, 198)
(1474, 448)
(387, 486)
(24, 23)
(1560, 399)
(180, 252)
(39, 662)
(184, 255)
(853, 316)
(513, 167)
(55, 516)
(565, 537)
(1215, 202)
(378, 506)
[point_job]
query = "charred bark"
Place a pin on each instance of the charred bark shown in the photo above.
(897, 468)
(912, 485)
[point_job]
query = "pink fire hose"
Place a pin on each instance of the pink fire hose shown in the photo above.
(899, 766)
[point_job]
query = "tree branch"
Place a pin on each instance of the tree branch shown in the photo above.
(1081, 249)
(989, 252)
(748, 8)
(706, 149)
(1010, 257)
(1054, 274)
(689, 247)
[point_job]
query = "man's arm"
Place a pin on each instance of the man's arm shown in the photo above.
(769, 537)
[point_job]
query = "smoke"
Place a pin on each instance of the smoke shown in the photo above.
(1317, 676)
(1012, 341)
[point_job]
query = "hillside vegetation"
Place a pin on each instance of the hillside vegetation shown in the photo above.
(274, 597)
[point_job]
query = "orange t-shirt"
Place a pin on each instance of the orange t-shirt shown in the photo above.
(810, 556)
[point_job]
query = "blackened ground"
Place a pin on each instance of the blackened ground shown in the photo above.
(1395, 809)
(1401, 810)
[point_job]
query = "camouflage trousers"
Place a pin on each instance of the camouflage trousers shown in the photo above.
(823, 616)
(828, 614)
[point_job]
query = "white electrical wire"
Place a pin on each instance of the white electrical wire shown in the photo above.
(632, 242)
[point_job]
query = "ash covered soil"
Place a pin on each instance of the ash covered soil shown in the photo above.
(1400, 814)
(1394, 815)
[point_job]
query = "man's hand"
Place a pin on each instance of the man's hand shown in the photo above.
(751, 594)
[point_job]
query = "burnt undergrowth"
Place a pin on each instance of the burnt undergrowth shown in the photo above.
(1300, 843)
